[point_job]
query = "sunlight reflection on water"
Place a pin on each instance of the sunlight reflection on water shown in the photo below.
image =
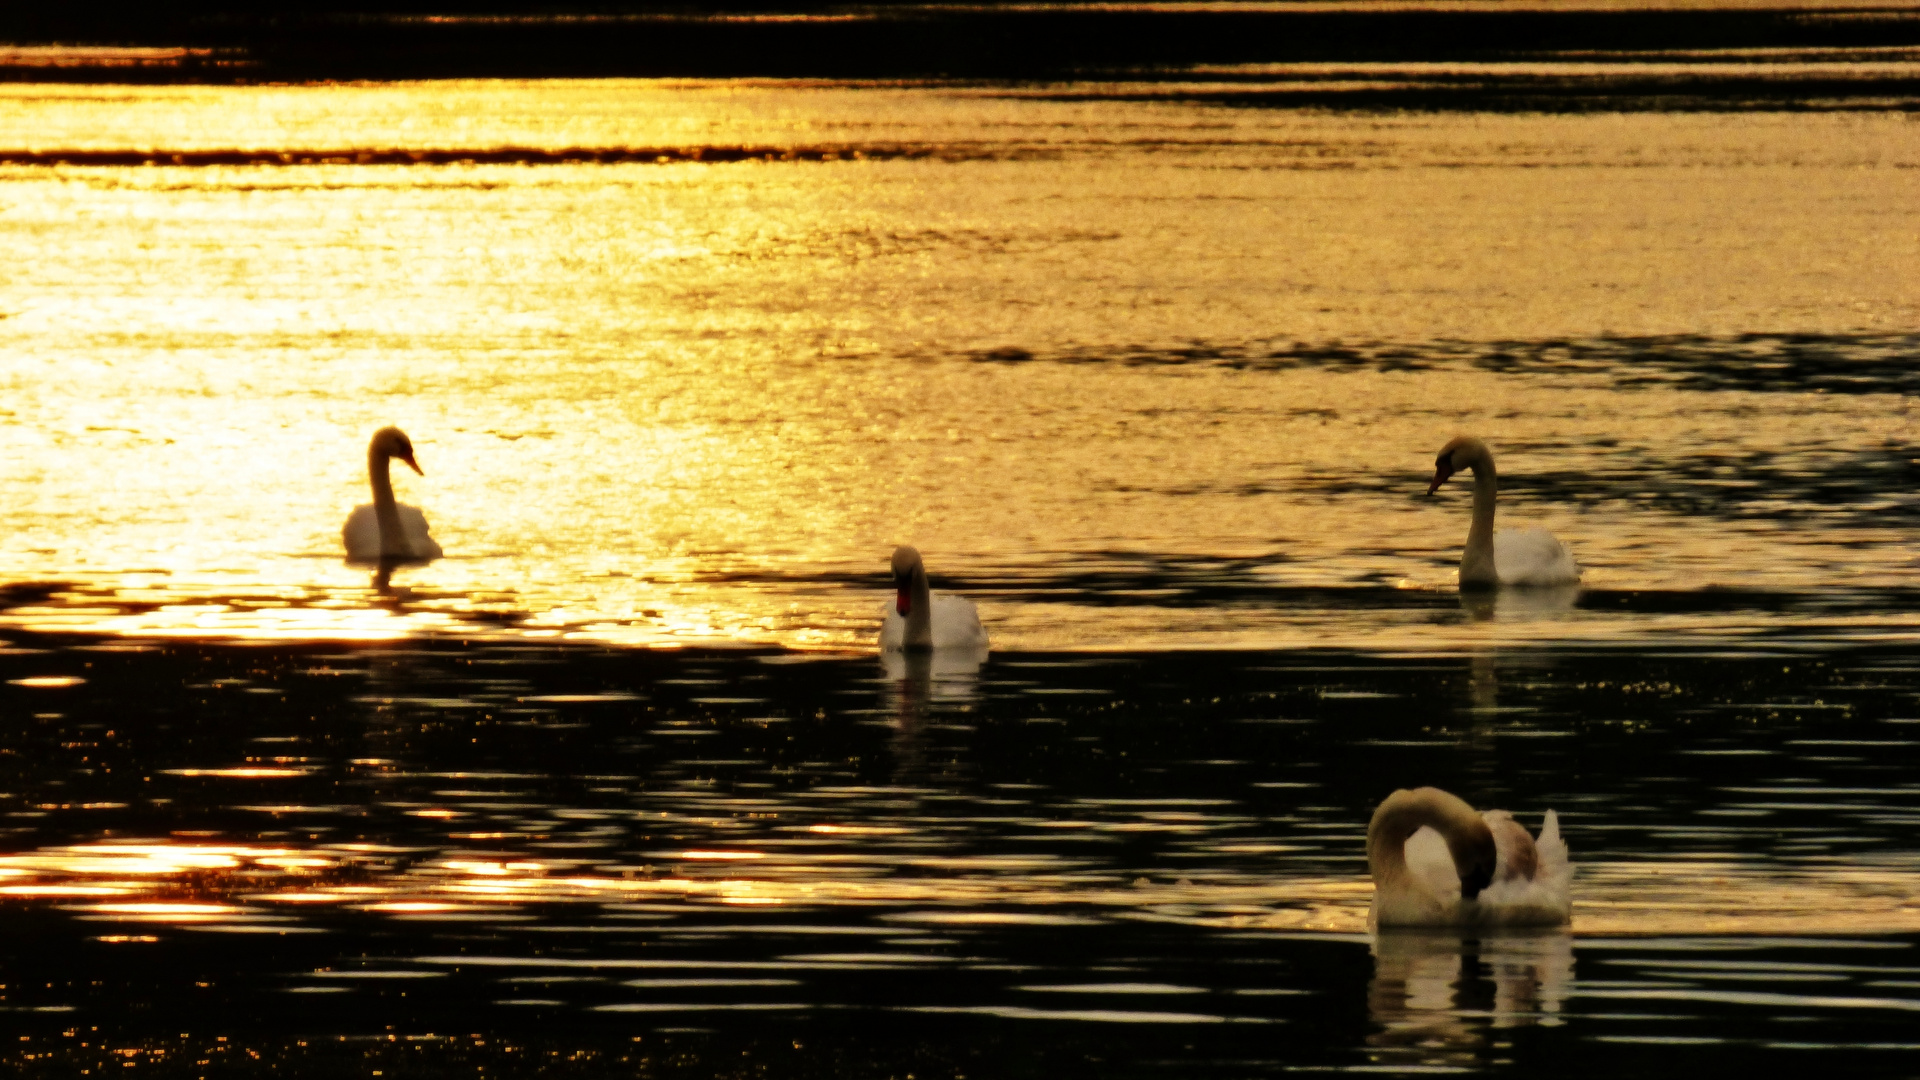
(1136, 392)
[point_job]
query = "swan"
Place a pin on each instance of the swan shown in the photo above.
(386, 529)
(1508, 557)
(1437, 863)
(918, 619)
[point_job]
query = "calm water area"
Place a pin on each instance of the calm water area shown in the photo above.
(1152, 373)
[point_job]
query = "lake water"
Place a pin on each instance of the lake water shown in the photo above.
(1155, 379)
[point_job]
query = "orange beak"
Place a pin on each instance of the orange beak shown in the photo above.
(411, 464)
(1440, 476)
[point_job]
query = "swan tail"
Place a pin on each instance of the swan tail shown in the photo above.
(1556, 866)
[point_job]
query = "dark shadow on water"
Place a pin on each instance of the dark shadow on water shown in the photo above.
(318, 42)
(1792, 363)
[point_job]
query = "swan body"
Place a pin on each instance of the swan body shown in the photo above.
(1514, 557)
(362, 533)
(1436, 863)
(919, 619)
(384, 529)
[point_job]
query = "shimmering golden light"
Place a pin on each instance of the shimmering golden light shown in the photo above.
(857, 830)
(708, 411)
(246, 772)
(1611, 898)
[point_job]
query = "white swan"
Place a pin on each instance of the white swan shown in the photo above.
(385, 529)
(1437, 863)
(917, 619)
(1508, 557)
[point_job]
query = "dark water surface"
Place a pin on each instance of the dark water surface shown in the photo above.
(449, 857)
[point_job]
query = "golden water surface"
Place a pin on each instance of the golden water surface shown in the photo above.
(1081, 351)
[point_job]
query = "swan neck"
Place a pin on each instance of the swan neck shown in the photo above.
(1476, 562)
(920, 619)
(1405, 813)
(385, 511)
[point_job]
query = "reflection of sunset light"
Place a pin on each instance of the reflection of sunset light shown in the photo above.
(65, 890)
(341, 894)
(494, 869)
(48, 681)
(856, 830)
(165, 909)
(156, 912)
(722, 855)
(245, 773)
(436, 813)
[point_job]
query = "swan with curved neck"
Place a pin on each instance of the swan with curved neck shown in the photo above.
(388, 530)
(919, 619)
(1510, 556)
(1435, 862)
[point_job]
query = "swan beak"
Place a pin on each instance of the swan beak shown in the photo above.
(903, 603)
(411, 464)
(1440, 476)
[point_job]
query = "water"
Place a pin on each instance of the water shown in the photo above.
(593, 850)
(1111, 352)
(1154, 378)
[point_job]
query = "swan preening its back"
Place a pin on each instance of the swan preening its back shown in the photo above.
(386, 530)
(1508, 557)
(918, 619)
(1437, 863)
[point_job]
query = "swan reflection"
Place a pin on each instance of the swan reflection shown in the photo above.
(944, 675)
(923, 682)
(1438, 998)
(1519, 605)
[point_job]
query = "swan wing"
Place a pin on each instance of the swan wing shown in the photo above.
(413, 526)
(1533, 557)
(893, 629)
(362, 533)
(1540, 897)
(956, 623)
(1515, 854)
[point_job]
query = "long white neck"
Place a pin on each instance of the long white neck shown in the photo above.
(1476, 562)
(385, 511)
(920, 619)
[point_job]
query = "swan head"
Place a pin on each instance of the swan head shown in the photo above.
(906, 567)
(1461, 452)
(1474, 857)
(391, 442)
